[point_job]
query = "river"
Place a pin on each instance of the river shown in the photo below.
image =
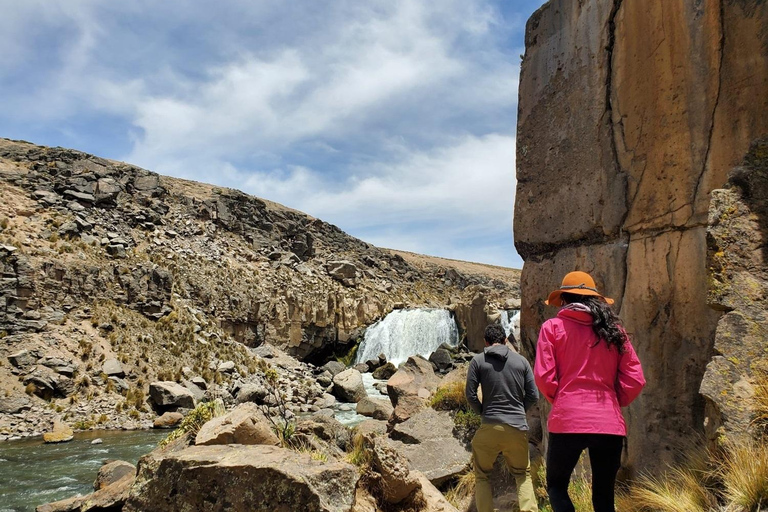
(33, 473)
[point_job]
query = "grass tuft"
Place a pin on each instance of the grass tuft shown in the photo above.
(744, 473)
(194, 420)
(464, 489)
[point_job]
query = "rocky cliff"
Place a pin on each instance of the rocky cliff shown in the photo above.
(630, 114)
(114, 276)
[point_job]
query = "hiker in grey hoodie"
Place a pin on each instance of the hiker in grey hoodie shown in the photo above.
(508, 391)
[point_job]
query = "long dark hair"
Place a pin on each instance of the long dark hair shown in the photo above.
(605, 322)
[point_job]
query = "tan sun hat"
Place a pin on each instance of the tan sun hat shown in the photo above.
(579, 283)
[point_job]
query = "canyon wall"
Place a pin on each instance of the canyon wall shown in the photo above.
(630, 114)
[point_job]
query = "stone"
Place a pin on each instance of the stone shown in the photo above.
(112, 472)
(377, 409)
(22, 359)
(343, 271)
(167, 395)
(333, 367)
(168, 420)
(348, 386)
(226, 367)
(197, 393)
(442, 359)
(256, 477)
(397, 483)
(328, 429)
(384, 372)
(434, 500)
(411, 386)
(427, 441)
(147, 183)
(113, 367)
(14, 404)
(199, 382)
(59, 365)
(246, 424)
(252, 392)
(371, 428)
(60, 433)
(361, 367)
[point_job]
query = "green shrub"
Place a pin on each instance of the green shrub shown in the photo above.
(194, 420)
(450, 397)
(467, 420)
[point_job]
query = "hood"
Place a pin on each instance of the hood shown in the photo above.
(498, 351)
(580, 315)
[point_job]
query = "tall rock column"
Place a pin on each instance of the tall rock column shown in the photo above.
(630, 114)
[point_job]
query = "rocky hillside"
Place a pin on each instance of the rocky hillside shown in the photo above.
(631, 113)
(114, 276)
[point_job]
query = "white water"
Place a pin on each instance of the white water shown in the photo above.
(346, 413)
(408, 332)
(510, 322)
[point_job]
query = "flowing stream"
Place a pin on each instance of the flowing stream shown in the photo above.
(33, 473)
(407, 332)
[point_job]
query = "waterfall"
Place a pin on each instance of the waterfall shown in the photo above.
(510, 321)
(407, 332)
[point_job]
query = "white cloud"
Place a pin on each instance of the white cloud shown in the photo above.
(391, 119)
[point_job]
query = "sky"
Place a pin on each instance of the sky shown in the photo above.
(394, 120)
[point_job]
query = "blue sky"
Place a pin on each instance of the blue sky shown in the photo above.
(394, 120)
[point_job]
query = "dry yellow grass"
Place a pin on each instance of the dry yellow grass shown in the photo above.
(744, 473)
(463, 490)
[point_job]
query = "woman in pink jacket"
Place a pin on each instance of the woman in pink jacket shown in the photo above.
(586, 367)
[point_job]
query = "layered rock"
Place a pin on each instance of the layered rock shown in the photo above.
(630, 114)
(737, 237)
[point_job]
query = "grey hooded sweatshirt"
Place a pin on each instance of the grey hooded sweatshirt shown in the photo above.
(507, 383)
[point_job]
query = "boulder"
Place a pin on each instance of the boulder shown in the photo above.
(252, 392)
(14, 404)
(434, 500)
(60, 433)
(245, 424)
(113, 367)
(371, 428)
(378, 409)
(396, 482)
(343, 271)
(411, 386)
(226, 367)
(427, 441)
(326, 428)
(113, 471)
(333, 367)
(362, 367)
(384, 372)
(198, 393)
(348, 386)
(167, 395)
(257, 478)
(168, 420)
(22, 359)
(442, 359)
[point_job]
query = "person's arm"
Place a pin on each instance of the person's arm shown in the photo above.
(629, 379)
(545, 370)
(473, 381)
(531, 393)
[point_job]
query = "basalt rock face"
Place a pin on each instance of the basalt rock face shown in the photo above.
(630, 114)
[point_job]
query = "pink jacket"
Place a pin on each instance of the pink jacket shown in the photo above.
(586, 382)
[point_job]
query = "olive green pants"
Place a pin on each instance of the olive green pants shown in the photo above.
(491, 440)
